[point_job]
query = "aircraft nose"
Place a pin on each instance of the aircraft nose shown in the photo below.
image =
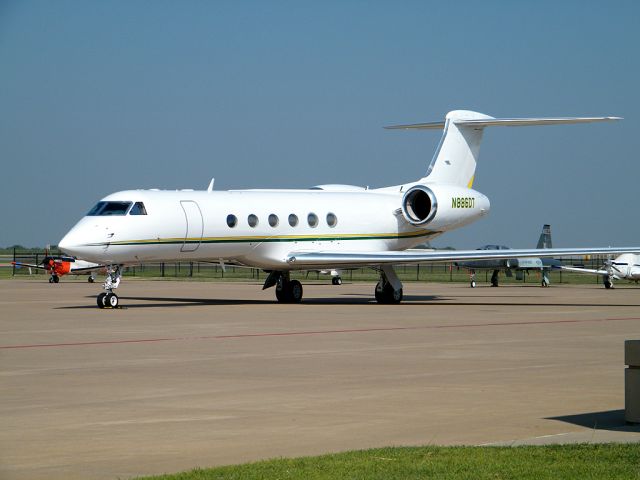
(69, 243)
(65, 244)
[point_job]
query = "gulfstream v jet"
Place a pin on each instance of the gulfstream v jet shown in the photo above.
(323, 228)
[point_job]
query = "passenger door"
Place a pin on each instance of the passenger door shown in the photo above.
(194, 226)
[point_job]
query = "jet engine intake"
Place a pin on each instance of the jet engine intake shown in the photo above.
(419, 205)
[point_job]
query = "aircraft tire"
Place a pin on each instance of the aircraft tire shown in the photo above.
(282, 292)
(111, 300)
(378, 293)
(607, 282)
(295, 291)
(336, 281)
(50, 279)
(56, 279)
(100, 300)
(473, 284)
(387, 294)
(90, 280)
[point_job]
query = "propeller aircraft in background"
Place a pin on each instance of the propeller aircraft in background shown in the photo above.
(623, 267)
(60, 265)
(329, 227)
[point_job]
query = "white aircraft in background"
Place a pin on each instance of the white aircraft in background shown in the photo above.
(326, 228)
(624, 267)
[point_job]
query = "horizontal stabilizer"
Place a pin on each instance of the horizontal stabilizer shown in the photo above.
(504, 122)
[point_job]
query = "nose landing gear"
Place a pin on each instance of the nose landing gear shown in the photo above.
(108, 299)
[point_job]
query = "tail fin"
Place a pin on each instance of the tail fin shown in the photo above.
(545, 237)
(457, 154)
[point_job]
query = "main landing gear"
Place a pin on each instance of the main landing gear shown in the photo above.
(545, 279)
(108, 299)
(336, 280)
(389, 288)
(54, 279)
(494, 278)
(607, 281)
(287, 290)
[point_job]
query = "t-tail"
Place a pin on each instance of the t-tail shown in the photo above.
(545, 237)
(455, 160)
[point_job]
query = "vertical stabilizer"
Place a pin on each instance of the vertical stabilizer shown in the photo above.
(545, 237)
(457, 154)
(454, 162)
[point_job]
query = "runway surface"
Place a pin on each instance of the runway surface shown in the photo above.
(199, 374)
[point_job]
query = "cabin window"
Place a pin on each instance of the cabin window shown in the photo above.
(312, 218)
(138, 209)
(332, 220)
(273, 220)
(252, 220)
(103, 209)
(293, 220)
(232, 221)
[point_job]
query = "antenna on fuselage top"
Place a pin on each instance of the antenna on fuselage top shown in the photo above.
(210, 187)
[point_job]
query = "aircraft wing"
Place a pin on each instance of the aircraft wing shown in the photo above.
(29, 265)
(327, 258)
(585, 270)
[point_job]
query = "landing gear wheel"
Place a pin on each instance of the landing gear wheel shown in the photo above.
(607, 282)
(545, 282)
(289, 292)
(336, 281)
(90, 280)
(386, 294)
(295, 291)
(379, 293)
(111, 300)
(282, 292)
(50, 279)
(100, 300)
(473, 284)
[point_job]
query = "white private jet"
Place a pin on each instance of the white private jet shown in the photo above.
(623, 267)
(324, 228)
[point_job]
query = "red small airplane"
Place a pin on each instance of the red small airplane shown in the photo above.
(58, 266)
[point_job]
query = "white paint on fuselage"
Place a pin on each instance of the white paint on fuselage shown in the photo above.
(367, 220)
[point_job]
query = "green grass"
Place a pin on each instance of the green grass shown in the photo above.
(583, 461)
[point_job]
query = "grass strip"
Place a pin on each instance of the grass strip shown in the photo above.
(576, 461)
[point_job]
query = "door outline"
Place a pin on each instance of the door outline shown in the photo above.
(194, 225)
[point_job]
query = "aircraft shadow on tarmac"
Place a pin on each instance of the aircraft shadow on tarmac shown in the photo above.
(343, 299)
(607, 420)
(186, 302)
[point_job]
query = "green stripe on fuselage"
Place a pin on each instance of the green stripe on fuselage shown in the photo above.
(260, 239)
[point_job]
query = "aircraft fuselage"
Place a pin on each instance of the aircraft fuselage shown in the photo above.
(260, 227)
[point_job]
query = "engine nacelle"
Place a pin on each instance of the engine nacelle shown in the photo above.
(419, 205)
(443, 206)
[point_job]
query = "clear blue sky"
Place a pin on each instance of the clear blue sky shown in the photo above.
(97, 97)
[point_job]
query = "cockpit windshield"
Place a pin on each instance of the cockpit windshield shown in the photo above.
(103, 209)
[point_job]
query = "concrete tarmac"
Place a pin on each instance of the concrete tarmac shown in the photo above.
(194, 374)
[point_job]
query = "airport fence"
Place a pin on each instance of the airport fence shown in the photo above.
(215, 271)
